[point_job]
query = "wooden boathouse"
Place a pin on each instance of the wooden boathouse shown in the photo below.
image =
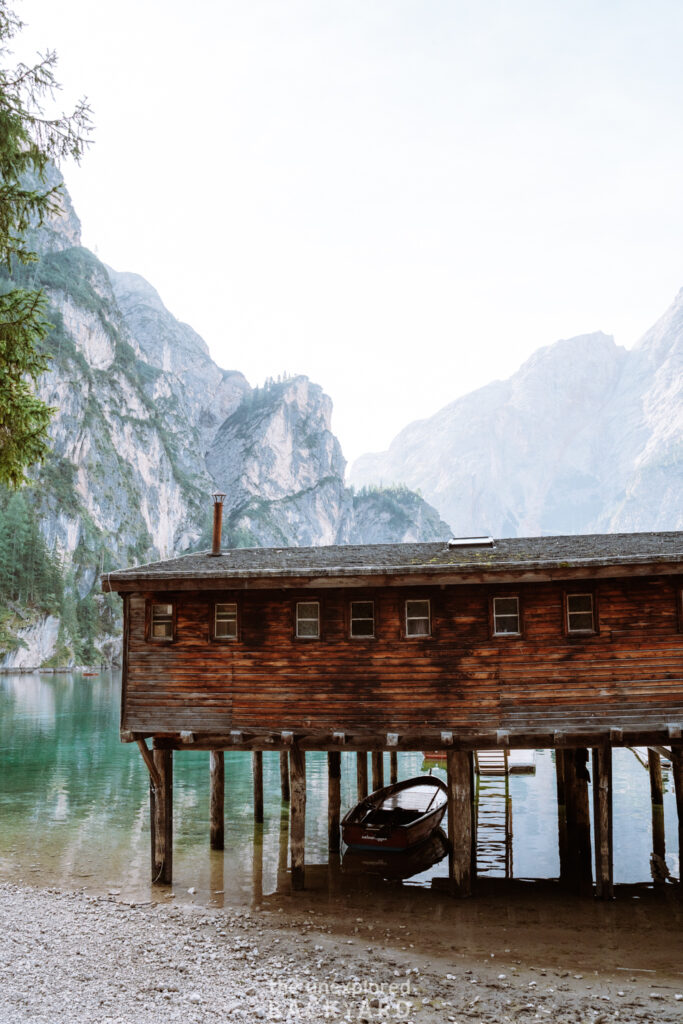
(573, 643)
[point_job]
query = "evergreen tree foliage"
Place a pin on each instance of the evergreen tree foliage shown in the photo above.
(29, 140)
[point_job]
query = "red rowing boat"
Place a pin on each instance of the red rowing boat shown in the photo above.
(398, 816)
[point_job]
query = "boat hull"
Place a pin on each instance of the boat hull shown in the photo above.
(393, 819)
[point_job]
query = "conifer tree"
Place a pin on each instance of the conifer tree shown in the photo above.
(29, 140)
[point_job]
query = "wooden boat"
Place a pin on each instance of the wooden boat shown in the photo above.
(398, 816)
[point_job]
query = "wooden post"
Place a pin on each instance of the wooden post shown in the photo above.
(377, 769)
(284, 775)
(334, 800)
(677, 772)
(658, 863)
(602, 820)
(578, 820)
(460, 822)
(217, 799)
(393, 766)
(161, 813)
(257, 768)
(362, 775)
(561, 815)
(297, 811)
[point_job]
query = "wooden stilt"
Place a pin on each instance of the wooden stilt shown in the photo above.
(362, 775)
(334, 800)
(561, 815)
(297, 810)
(658, 862)
(460, 822)
(393, 766)
(377, 769)
(284, 775)
(578, 820)
(474, 796)
(217, 799)
(677, 772)
(257, 768)
(161, 813)
(602, 820)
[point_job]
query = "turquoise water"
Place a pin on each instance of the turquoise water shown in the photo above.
(74, 805)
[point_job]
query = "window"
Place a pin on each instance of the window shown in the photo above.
(506, 616)
(362, 618)
(225, 621)
(580, 616)
(161, 622)
(308, 619)
(417, 618)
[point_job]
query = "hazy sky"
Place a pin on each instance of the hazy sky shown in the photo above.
(400, 198)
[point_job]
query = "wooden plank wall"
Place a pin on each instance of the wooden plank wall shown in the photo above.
(458, 677)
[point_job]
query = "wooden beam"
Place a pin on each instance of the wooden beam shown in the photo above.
(155, 778)
(578, 821)
(602, 821)
(297, 811)
(677, 772)
(161, 815)
(377, 769)
(217, 799)
(362, 775)
(460, 822)
(393, 767)
(658, 860)
(257, 770)
(284, 775)
(360, 739)
(334, 800)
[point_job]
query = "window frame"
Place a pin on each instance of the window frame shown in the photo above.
(357, 618)
(519, 633)
(565, 613)
(430, 618)
(150, 604)
(215, 638)
(299, 636)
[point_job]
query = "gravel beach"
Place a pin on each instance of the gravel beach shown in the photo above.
(77, 957)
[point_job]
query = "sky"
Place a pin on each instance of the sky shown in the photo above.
(402, 199)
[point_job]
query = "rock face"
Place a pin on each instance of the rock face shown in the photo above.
(585, 437)
(146, 427)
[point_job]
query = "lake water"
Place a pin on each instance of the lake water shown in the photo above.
(74, 805)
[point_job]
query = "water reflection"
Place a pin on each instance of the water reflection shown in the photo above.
(74, 807)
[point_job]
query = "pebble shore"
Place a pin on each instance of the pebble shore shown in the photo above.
(75, 958)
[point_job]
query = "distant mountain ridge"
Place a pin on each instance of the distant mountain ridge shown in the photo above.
(146, 426)
(585, 437)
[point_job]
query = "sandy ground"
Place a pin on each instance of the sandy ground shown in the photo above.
(73, 957)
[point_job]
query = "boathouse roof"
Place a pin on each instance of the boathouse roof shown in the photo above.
(462, 560)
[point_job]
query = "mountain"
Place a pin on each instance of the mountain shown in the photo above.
(585, 437)
(146, 426)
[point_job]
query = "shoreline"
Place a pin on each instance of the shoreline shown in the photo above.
(91, 959)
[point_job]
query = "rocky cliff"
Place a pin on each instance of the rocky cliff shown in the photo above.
(585, 437)
(145, 427)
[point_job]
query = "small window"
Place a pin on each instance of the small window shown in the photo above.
(161, 622)
(417, 618)
(580, 616)
(362, 618)
(225, 621)
(506, 616)
(308, 619)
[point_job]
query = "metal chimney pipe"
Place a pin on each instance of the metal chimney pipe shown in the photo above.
(218, 500)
